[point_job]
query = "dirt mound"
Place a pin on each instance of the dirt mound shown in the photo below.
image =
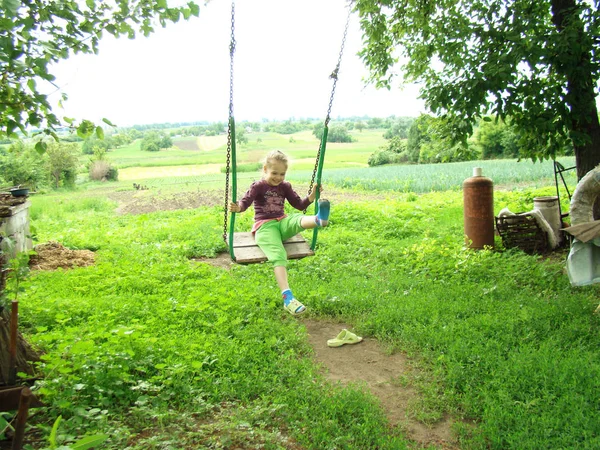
(53, 255)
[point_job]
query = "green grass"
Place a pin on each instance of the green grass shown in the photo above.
(508, 347)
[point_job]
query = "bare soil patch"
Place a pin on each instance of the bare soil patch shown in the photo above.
(222, 260)
(53, 255)
(147, 201)
(188, 144)
(367, 363)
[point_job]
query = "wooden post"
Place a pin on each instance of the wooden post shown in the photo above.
(14, 325)
(22, 415)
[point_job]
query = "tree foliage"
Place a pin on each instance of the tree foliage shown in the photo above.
(34, 34)
(20, 164)
(62, 163)
(335, 133)
(497, 139)
(536, 61)
(153, 141)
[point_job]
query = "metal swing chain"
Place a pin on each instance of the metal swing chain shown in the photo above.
(334, 77)
(227, 168)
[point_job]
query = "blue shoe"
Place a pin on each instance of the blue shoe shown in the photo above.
(323, 212)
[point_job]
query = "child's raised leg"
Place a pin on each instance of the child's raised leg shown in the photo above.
(321, 219)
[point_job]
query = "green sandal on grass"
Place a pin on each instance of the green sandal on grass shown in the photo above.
(345, 337)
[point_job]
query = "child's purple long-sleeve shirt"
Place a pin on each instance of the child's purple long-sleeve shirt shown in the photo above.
(269, 200)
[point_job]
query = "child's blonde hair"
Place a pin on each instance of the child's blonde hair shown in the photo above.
(276, 155)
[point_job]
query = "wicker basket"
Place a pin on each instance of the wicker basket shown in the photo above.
(522, 231)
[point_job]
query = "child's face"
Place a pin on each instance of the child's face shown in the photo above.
(274, 172)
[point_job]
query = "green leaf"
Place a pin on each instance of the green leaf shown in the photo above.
(11, 7)
(85, 129)
(90, 3)
(99, 132)
(52, 437)
(31, 85)
(41, 147)
(89, 442)
(194, 8)
(108, 122)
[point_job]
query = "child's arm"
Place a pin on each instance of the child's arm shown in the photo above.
(246, 200)
(296, 201)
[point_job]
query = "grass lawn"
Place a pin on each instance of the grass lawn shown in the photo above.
(157, 350)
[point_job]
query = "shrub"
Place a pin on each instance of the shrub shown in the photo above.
(383, 156)
(22, 165)
(336, 133)
(62, 163)
(103, 170)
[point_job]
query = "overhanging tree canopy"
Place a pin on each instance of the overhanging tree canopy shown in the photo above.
(36, 33)
(537, 61)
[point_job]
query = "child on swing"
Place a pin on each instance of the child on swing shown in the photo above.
(272, 226)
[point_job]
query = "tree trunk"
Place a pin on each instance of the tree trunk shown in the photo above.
(575, 65)
(26, 355)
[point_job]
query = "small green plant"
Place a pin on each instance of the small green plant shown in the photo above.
(5, 424)
(17, 271)
(85, 443)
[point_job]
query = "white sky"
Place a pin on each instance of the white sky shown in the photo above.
(285, 51)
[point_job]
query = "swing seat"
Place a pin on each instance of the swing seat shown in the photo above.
(247, 252)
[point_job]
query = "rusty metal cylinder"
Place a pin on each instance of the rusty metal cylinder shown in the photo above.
(478, 196)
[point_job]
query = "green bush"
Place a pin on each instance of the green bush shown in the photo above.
(336, 133)
(22, 165)
(381, 157)
(62, 163)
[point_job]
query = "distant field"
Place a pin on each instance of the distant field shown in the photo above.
(142, 173)
(345, 164)
(190, 143)
(204, 143)
(508, 173)
(301, 148)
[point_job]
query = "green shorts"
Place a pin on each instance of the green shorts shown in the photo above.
(270, 236)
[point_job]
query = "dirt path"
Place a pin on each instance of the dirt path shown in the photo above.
(368, 364)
